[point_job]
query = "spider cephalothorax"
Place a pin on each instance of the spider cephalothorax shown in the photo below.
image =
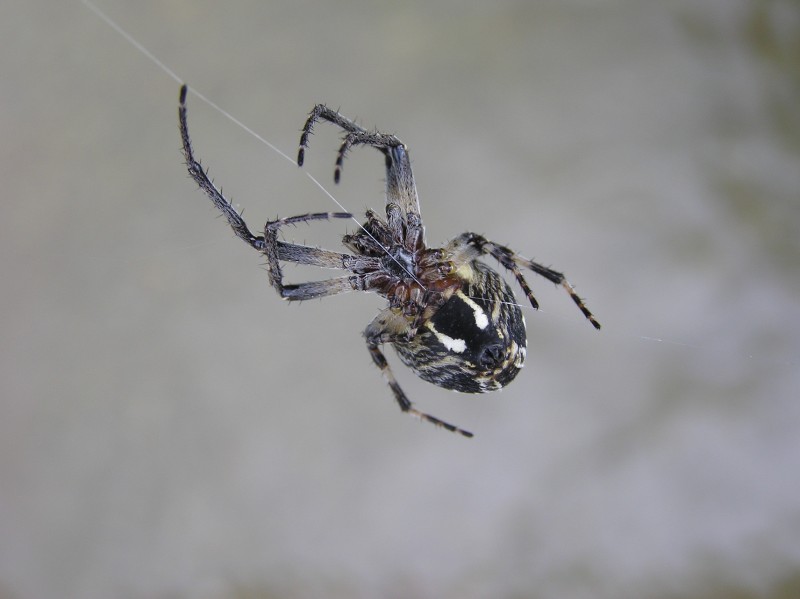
(453, 320)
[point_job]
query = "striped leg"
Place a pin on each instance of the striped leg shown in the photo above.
(512, 261)
(356, 135)
(400, 187)
(402, 400)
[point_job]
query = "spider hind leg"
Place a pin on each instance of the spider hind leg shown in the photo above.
(390, 327)
(402, 400)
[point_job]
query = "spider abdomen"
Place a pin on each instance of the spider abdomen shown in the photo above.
(474, 342)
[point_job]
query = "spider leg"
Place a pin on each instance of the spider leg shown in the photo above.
(276, 250)
(400, 187)
(402, 191)
(315, 289)
(512, 261)
(320, 111)
(200, 176)
(384, 142)
(389, 327)
(405, 404)
(356, 134)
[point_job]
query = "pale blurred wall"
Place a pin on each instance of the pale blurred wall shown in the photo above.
(169, 428)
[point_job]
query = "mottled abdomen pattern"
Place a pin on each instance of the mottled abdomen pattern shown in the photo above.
(475, 342)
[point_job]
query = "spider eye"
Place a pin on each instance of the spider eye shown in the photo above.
(491, 356)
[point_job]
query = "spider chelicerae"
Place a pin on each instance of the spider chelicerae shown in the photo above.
(452, 320)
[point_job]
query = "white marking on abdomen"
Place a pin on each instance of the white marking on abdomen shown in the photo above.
(520, 361)
(481, 320)
(454, 345)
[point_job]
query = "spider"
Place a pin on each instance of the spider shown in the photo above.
(452, 320)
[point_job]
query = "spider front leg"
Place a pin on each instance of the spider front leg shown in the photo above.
(389, 327)
(199, 174)
(400, 187)
(512, 261)
(356, 135)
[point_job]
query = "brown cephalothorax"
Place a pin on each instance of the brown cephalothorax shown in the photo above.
(453, 320)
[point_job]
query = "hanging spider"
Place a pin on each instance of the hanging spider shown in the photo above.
(452, 320)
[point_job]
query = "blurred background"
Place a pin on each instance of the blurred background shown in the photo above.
(169, 428)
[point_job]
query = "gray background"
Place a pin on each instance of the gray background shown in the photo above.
(169, 428)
